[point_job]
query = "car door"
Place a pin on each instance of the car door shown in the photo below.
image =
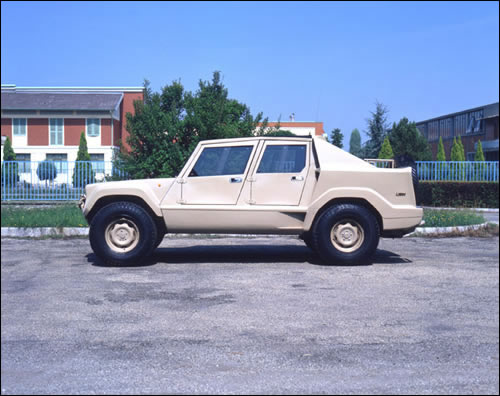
(280, 175)
(217, 174)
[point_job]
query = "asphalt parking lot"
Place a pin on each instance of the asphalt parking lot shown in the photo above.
(261, 315)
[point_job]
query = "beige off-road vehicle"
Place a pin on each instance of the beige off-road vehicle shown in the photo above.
(337, 203)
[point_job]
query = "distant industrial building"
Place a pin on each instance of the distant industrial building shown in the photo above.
(479, 123)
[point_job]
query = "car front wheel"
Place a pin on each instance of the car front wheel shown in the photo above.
(346, 234)
(122, 233)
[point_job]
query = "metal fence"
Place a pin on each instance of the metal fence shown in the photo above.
(53, 180)
(66, 180)
(458, 170)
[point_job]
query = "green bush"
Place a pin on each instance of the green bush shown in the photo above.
(46, 171)
(10, 170)
(83, 173)
(458, 194)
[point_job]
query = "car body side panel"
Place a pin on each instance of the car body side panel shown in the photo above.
(248, 219)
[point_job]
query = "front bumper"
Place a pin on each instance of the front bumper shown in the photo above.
(81, 202)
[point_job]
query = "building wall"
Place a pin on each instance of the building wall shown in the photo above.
(73, 128)
(7, 127)
(36, 141)
(471, 125)
(490, 132)
(116, 132)
(38, 132)
(127, 106)
(105, 132)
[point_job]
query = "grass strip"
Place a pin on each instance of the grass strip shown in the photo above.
(451, 218)
(57, 216)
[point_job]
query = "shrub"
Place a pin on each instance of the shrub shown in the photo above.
(46, 171)
(10, 170)
(83, 173)
(458, 194)
(386, 150)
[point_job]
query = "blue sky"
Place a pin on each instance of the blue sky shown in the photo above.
(323, 61)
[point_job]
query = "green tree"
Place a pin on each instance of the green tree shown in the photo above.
(167, 126)
(46, 171)
(406, 139)
(479, 156)
(355, 143)
(336, 138)
(461, 150)
(280, 133)
(386, 150)
(455, 151)
(441, 155)
(377, 130)
(10, 170)
(479, 169)
(457, 154)
(83, 173)
(265, 130)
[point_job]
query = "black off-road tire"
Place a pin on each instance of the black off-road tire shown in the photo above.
(159, 238)
(308, 240)
(123, 212)
(337, 216)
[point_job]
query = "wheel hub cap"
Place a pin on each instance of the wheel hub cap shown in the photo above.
(347, 236)
(122, 235)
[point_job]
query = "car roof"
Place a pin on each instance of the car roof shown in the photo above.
(254, 138)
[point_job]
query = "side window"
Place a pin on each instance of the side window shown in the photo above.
(19, 126)
(218, 161)
(93, 127)
(283, 159)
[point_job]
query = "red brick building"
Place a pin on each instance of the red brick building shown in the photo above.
(479, 123)
(46, 122)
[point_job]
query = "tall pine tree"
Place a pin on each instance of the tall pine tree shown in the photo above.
(441, 155)
(386, 150)
(355, 143)
(336, 138)
(83, 173)
(377, 130)
(479, 156)
(10, 170)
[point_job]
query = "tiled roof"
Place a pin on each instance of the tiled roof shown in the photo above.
(59, 101)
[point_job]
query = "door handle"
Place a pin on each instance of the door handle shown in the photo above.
(236, 180)
(297, 178)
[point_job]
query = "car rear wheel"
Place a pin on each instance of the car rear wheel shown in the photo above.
(308, 240)
(159, 239)
(346, 234)
(122, 233)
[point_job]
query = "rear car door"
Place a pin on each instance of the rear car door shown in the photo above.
(280, 174)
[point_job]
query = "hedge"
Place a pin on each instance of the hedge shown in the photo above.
(458, 194)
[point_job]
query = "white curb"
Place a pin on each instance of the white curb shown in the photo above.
(487, 210)
(35, 232)
(444, 230)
